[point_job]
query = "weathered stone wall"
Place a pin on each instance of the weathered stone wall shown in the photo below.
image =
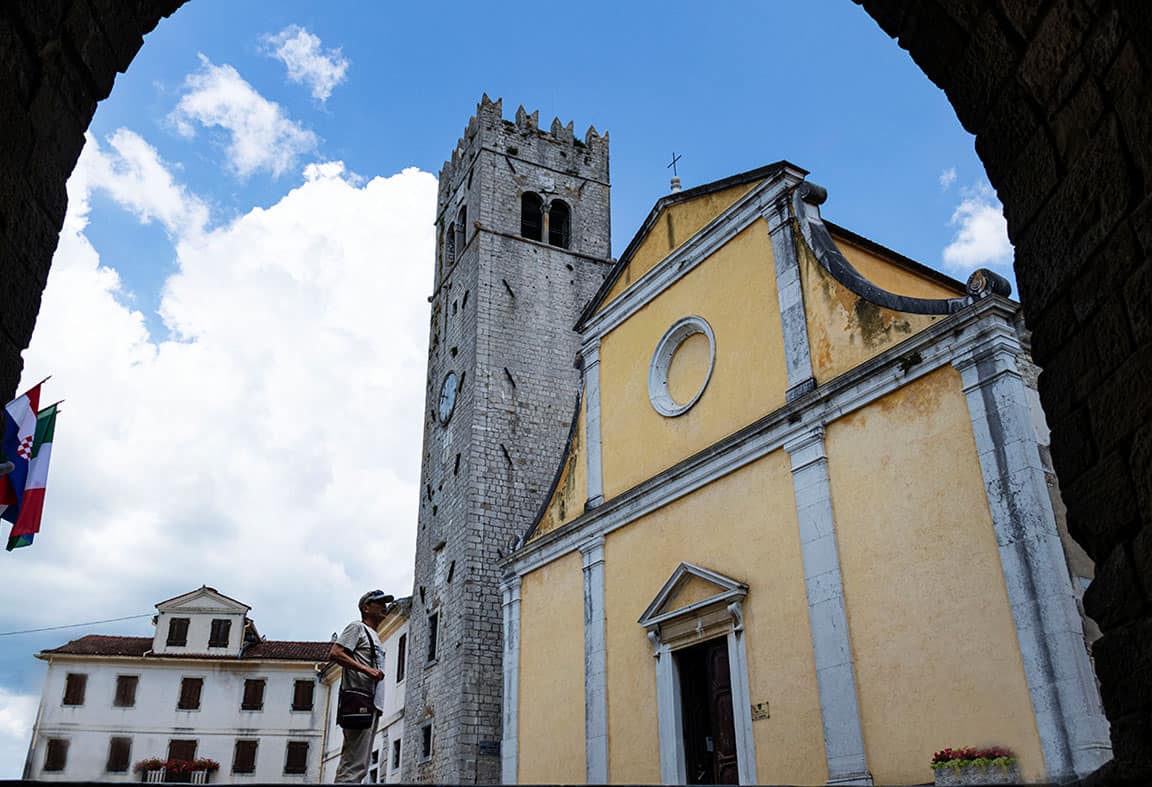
(502, 317)
(1058, 94)
(57, 59)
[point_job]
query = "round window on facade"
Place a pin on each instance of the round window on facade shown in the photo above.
(681, 366)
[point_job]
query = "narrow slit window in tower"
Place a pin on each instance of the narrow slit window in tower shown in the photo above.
(450, 245)
(559, 224)
(462, 229)
(531, 219)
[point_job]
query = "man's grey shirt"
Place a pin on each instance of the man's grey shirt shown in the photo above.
(356, 641)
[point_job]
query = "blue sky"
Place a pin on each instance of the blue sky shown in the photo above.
(246, 250)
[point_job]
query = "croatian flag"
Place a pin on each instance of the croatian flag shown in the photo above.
(19, 434)
(28, 441)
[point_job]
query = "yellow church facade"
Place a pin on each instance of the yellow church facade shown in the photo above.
(802, 532)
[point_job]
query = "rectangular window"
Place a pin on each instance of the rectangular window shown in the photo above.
(119, 755)
(190, 689)
(74, 685)
(302, 694)
(178, 632)
(433, 635)
(396, 754)
(125, 691)
(181, 749)
(372, 778)
(56, 754)
(244, 758)
(426, 742)
(253, 694)
(296, 757)
(401, 656)
(218, 638)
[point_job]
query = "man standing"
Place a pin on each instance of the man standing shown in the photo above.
(360, 655)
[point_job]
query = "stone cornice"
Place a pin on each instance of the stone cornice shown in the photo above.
(938, 345)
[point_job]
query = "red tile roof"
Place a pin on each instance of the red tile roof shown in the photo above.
(297, 651)
(100, 645)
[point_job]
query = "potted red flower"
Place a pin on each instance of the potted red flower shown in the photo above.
(195, 771)
(150, 769)
(972, 766)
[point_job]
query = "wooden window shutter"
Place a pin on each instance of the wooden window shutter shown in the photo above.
(182, 749)
(178, 631)
(302, 694)
(126, 691)
(253, 694)
(56, 754)
(190, 693)
(74, 685)
(244, 758)
(221, 628)
(119, 754)
(296, 759)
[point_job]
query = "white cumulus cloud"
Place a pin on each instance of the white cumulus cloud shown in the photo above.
(134, 175)
(307, 62)
(272, 450)
(981, 233)
(260, 135)
(947, 178)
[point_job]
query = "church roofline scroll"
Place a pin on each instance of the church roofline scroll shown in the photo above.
(806, 201)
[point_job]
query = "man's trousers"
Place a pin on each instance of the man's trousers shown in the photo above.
(356, 753)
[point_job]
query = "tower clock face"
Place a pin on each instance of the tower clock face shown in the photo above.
(448, 397)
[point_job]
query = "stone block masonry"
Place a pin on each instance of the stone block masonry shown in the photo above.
(503, 308)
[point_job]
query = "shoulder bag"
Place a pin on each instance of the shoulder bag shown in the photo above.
(356, 708)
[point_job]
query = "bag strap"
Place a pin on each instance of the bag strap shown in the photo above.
(371, 644)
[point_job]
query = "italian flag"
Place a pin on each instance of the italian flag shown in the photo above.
(32, 506)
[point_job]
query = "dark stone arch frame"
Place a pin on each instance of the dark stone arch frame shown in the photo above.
(1059, 96)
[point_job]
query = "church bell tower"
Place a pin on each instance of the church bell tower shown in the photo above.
(522, 228)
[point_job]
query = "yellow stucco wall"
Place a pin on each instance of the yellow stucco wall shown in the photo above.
(932, 632)
(744, 526)
(892, 276)
(571, 493)
(552, 673)
(675, 225)
(735, 291)
(845, 330)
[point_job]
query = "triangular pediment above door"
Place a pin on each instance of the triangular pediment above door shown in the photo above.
(689, 588)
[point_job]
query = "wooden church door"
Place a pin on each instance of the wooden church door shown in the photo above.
(706, 707)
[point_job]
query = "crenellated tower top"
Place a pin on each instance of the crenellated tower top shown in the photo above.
(558, 149)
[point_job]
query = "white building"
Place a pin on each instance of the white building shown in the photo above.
(206, 685)
(387, 748)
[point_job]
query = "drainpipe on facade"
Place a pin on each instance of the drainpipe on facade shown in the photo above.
(327, 712)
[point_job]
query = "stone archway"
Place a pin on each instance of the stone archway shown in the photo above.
(1059, 96)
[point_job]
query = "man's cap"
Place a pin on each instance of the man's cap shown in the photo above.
(376, 595)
